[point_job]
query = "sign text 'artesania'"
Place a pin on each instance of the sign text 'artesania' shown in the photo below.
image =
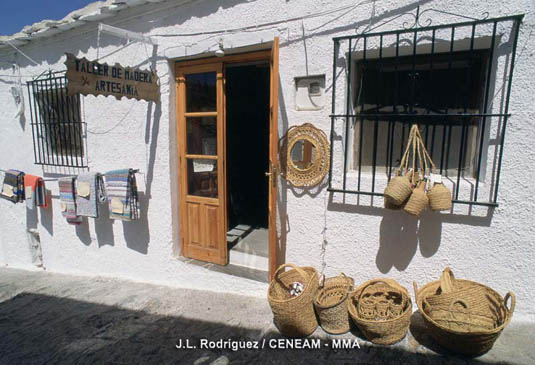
(94, 78)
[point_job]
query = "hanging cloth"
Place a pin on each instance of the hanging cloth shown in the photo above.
(89, 192)
(13, 186)
(121, 189)
(67, 193)
(34, 191)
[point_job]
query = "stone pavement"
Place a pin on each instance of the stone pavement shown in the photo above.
(54, 318)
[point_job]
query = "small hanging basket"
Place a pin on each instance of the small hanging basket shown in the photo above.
(381, 309)
(417, 201)
(397, 191)
(439, 197)
(294, 314)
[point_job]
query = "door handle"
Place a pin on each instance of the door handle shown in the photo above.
(267, 174)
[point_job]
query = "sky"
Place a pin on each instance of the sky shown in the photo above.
(14, 16)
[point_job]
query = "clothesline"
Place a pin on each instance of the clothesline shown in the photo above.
(135, 171)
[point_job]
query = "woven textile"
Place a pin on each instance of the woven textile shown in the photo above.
(67, 194)
(121, 190)
(13, 186)
(34, 191)
(89, 192)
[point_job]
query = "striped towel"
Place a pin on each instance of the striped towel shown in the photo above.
(13, 186)
(121, 189)
(89, 192)
(34, 191)
(67, 193)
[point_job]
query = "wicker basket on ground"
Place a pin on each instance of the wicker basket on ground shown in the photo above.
(331, 304)
(293, 313)
(381, 309)
(463, 316)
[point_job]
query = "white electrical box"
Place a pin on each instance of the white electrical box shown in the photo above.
(310, 92)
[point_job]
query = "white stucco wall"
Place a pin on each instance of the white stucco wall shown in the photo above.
(362, 239)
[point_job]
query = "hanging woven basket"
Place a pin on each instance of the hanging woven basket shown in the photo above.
(417, 201)
(294, 315)
(439, 197)
(397, 191)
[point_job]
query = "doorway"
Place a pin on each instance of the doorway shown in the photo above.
(208, 206)
(247, 96)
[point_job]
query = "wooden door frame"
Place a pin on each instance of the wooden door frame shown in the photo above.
(264, 55)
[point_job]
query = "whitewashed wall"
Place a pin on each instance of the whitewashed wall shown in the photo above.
(359, 238)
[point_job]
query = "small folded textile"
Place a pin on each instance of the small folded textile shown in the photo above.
(13, 186)
(121, 189)
(34, 191)
(67, 194)
(89, 192)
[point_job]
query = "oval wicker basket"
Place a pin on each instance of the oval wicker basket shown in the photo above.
(383, 332)
(294, 315)
(464, 335)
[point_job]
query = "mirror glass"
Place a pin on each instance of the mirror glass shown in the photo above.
(303, 154)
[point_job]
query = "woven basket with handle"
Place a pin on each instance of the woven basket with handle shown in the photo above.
(387, 322)
(331, 304)
(294, 315)
(465, 316)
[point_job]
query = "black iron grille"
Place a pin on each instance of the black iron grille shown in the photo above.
(57, 128)
(453, 80)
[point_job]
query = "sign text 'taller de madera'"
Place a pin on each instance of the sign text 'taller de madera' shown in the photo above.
(93, 78)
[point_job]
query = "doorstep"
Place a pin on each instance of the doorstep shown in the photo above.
(241, 271)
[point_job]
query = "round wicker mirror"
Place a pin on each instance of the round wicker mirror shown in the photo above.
(305, 155)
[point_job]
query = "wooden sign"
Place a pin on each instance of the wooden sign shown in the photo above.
(93, 78)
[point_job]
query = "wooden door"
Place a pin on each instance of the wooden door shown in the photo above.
(201, 150)
(273, 156)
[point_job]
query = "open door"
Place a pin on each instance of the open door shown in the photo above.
(201, 150)
(273, 156)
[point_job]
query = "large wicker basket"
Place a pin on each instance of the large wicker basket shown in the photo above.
(294, 315)
(472, 329)
(383, 332)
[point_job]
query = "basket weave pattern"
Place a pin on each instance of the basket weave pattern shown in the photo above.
(387, 322)
(294, 315)
(465, 316)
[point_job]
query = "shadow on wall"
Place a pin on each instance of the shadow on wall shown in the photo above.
(136, 233)
(400, 234)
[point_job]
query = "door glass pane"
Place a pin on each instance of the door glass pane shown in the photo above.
(202, 178)
(201, 92)
(202, 136)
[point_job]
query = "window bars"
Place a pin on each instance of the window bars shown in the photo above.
(453, 80)
(58, 131)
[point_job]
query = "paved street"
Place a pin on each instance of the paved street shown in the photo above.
(53, 318)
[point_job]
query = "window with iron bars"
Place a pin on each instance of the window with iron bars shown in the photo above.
(57, 126)
(446, 79)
